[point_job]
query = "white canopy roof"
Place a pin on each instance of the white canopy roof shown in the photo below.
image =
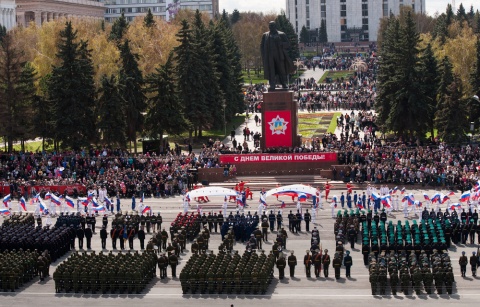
(293, 188)
(211, 191)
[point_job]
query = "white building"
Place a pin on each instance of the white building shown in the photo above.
(346, 20)
(7, 13)
(164, 9)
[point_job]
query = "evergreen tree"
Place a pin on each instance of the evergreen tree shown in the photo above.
(452, 118)
(207, 66)
(119, 28)
(284, 25)
(110, 115)
(449, 15)
(43, 108)
(234, 95)
(149, 20)
(71, 89)
(3, 32)
(131, 83)
(461, 14)
(446, 78)
(387, 68)
(17, 91)
(235, 17)
(474, 104)
(323, 32)
(165, 112)
(191, 90)
(304, 35)
(429, 75)
(400, 93)
(440, 30)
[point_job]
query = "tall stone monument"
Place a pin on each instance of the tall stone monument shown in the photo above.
(279, 110)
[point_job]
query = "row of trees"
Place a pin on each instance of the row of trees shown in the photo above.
(429, 81)
(321, 34)
(102, 84)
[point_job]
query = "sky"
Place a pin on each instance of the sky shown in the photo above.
(268, 6)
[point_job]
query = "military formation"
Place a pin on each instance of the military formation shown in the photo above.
(21, 266)
(408, 271)
(19, 219)
(19, 236)
(228, 273)
(120, 273)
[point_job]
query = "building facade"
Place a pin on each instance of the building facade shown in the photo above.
(7, 13)
(40, 11)
(164, 9)
(346, 20)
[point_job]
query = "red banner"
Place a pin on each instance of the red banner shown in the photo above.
(278, 129)
(279, 158)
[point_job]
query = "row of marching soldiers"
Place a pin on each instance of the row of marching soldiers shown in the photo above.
(20, 267)
(228, 273)
(123, 272)
(406, 271)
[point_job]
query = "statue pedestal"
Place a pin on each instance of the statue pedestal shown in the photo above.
(279, 120)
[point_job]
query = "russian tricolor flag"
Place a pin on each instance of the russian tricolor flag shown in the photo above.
(23, 203)
(360, 205)
(418, 203)
(70, 202)
(435, 198)
(444, 199)
(386, 201)
(47, 195)
(89, 196)
(6, 199)
(56, 200)
(426, 197)
(402, 191)
(83, 201)
(146, 209)
(43, 208)
(239, 200)
(334, 198)
(451, 193)
(108, 201)
(4, 211)
(455, 206)
(395, 189)
(262, 200)
(465, 196)
(374, 196)
(99, 208)
(302, 197)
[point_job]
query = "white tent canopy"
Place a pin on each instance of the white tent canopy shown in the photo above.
(211, 191)
(293, 188)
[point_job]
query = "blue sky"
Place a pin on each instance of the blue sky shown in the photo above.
(275, 6)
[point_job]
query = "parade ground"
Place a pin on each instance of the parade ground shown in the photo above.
(287, 292)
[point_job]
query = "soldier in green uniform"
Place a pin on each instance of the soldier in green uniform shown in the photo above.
(382, 280)
(417, 281)
(427, 279)
(449, 279)
(394, 281)
(281, 264)
(337, 264)
(292, 262)
(438, 276)
(405, 279)
(373, 280)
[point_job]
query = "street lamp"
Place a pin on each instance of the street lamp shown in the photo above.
(224, 105)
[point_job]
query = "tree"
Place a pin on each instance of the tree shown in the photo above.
(17, 91)
(119, 28)
(110, 113)
(304, 35)
(149, 20)
(323, 37)
(235, 17)
(131, 83)
(165, 111)
(451, 117)
(474, 104)
(461, 14)
(191, 90)
(284, 25)
(429, 75)
(72, 91)
(401, 105)
(3, 32)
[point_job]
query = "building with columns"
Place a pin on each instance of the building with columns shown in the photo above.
(164, 9)
(7, 13)
(346, 20)
(40, 11)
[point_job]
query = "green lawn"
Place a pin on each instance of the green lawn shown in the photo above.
(336, 75)
(315, 126)
(333, 122)
(254, 78)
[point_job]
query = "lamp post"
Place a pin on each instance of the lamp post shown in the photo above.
(224, 105)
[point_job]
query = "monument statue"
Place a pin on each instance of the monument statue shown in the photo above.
(276, 61)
